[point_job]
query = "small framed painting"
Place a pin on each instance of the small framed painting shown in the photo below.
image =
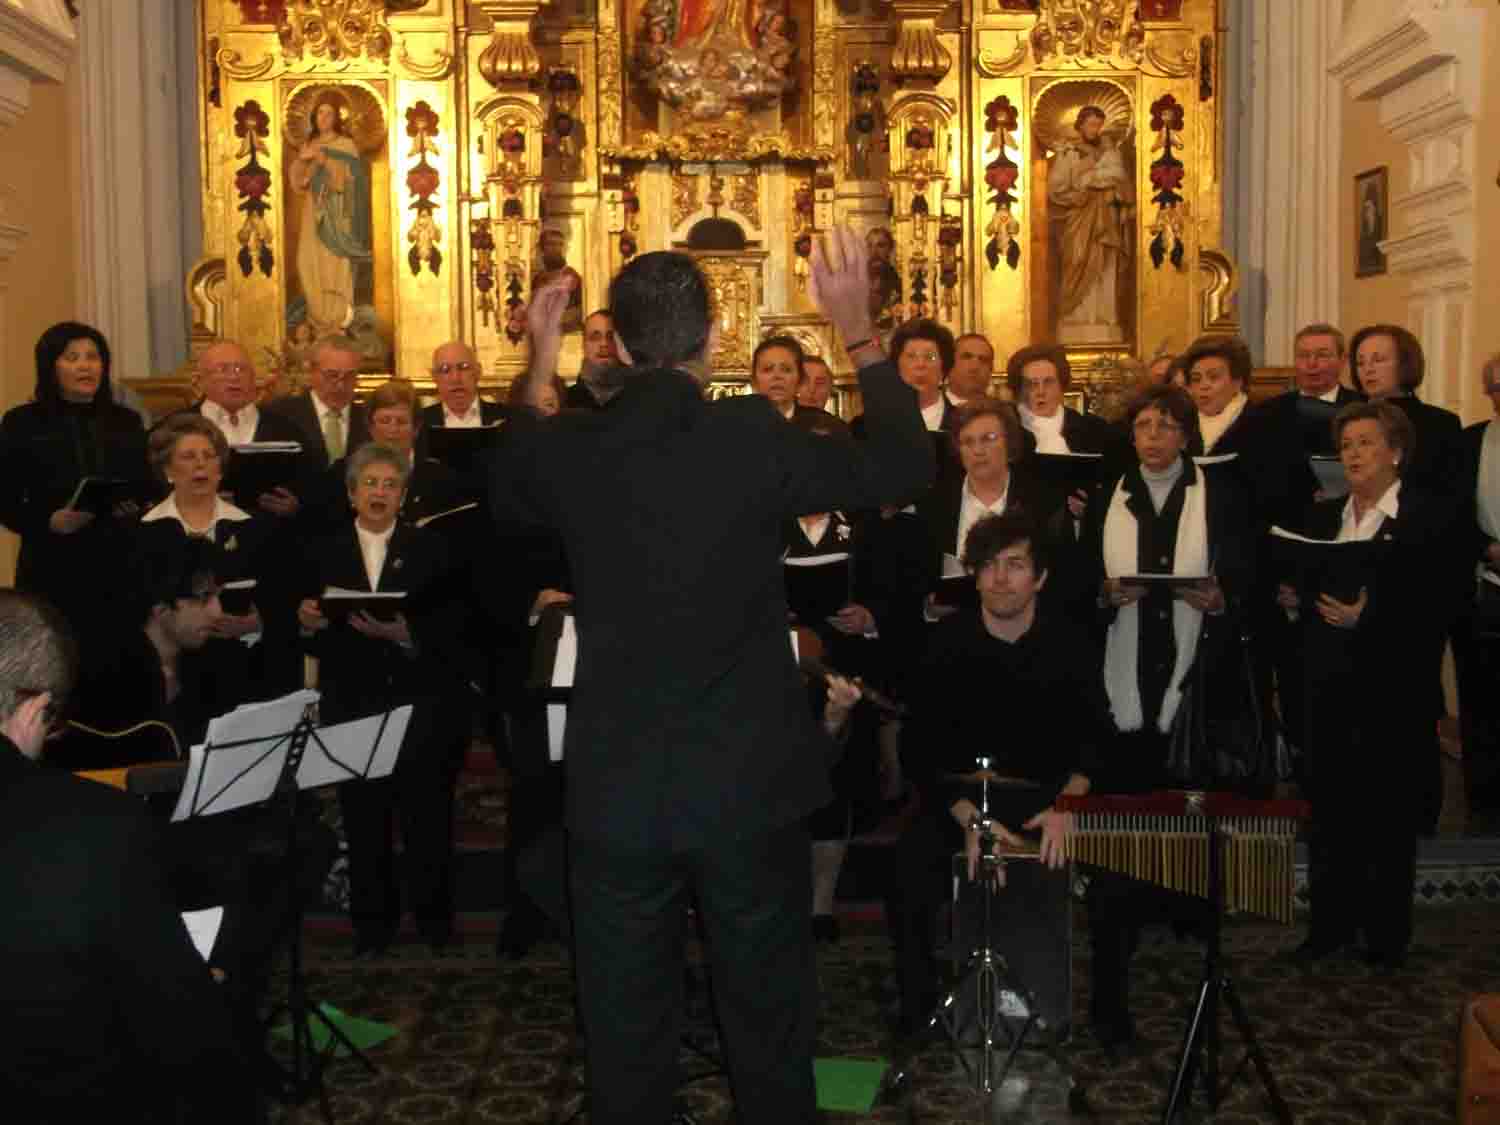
(1371, 211)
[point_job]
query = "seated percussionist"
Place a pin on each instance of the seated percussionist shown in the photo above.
(1021, 687)
(369, 663)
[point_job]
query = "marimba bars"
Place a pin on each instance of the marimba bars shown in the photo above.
(1163, 839)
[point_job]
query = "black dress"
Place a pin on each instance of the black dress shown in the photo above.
(1370, 728)
(45, 450)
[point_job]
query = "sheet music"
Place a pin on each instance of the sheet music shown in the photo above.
(366, 747)
(203, 928)
(233, 776)
(564, 665)
(816, 560)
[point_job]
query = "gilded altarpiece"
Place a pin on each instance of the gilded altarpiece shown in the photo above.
(404, 171)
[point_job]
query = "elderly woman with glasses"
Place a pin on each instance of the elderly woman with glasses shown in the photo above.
(373, 660)
(1162, 516)
(1371, 645)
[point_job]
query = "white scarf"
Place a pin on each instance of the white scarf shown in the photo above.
(1122, 645)
(1047, 431)
(1488, 501)
(1213, 428)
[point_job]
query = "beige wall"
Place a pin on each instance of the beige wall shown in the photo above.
(1486, 232)
(38, 282)
(1366, 145)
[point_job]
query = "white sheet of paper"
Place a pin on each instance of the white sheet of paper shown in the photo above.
(1216, 459)
(952, 568)
(367, 746)
(564, 665)
(231, 777)
(817, 560)
(203, 928)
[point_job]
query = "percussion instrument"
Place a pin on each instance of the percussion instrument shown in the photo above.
(1163, 838)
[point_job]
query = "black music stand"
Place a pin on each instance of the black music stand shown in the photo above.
(276, 770)
(978, 1000)
(1202, 1035)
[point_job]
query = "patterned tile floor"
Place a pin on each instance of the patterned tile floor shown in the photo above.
(482, 1042)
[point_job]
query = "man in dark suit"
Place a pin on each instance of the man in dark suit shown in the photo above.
(973, 368)
(368, 664)
(455, 373)
(112, 1015)
(226, 376)
(691, 752)
(591, 390)
(325, 415)
(1307, 410)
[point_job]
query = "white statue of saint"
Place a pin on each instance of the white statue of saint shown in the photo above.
(1091, 200)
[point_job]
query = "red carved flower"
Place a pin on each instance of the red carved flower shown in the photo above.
(802, 199)
(250, 118)
(422, 180)
(252, 182)
(1167, 177)
(630, 201)
(920, 137)
(1166, 113)
(1000, 114)
(1002, 177)
(421, 118)
(803, 245)
(627, 246)
(512, 141)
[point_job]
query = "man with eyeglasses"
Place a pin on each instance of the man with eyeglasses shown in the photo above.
(111, 1012)
(325, 414)
(1307, 409)
(455, 373)
(226, 378)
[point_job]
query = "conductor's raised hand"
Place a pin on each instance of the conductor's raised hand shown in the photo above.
(544, 316)
(840, 279)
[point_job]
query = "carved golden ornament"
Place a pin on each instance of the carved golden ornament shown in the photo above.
(1056, 109)
(995, 64)
(684, 198)
(1089, 33)
(232, 63)
(731, 290)
(715, 144)
(334, 29)
(1171, 58)
(611, 100)
(436, 70)
(824, 97)
(510, 56)
(918, 52)
(1220, 283)
(746, 197)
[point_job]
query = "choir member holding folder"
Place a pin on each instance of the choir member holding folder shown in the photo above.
(190, 453)
(374, 657)
(72, 431)
(1369, 597)
(990, 442)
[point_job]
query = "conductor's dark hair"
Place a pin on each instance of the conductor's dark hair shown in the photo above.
(993, 534)
(49, 349)
(1399, 432)
(1411, 364)
(660, 309)
(37, 652)
(923, 329)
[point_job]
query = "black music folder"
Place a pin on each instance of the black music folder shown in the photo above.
(258, 467)
(238, 597)
(956, 586)
(1332, 480)
(548, 679)
(1322, 566)
(101, 495)
(337, 603)
(1315, 421)
(1171, 581)
(461, 448)
(817, 586)
(1066, 473)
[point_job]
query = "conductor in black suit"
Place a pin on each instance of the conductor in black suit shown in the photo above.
(110, 1012)
(692, 756)
(325, 415)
